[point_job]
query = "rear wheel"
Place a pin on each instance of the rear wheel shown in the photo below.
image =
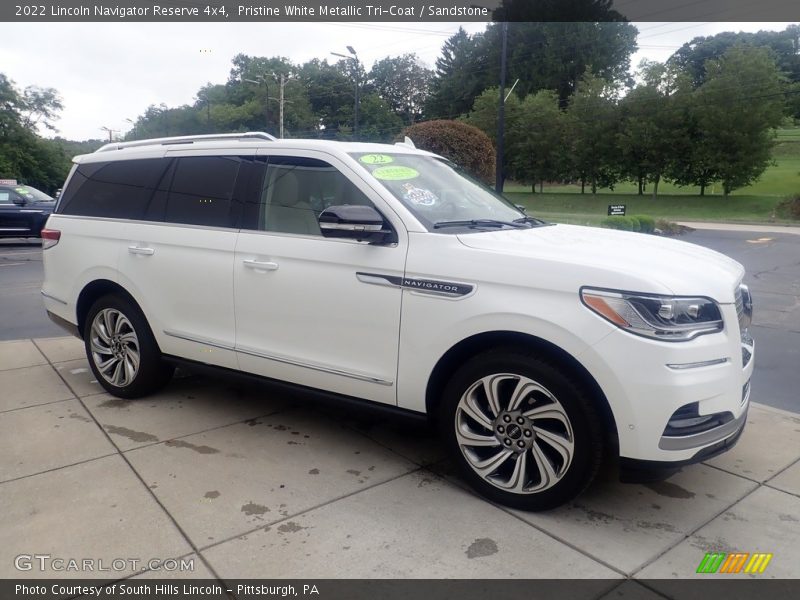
(121, 349)
(521, 432)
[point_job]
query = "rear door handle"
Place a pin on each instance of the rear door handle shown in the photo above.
(141, 250)
(260, 265)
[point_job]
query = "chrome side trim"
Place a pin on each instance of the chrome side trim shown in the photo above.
(703, 439)
(696, 365)
(199, 340)
(314, 367)
(46, 295)
(429, 287)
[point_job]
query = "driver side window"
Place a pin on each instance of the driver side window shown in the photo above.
(296, 190)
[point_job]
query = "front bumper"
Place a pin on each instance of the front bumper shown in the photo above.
(648, 383)
(633, 470)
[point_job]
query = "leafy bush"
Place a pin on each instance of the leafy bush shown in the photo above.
(467, 146)
(670, 228)
(790, 207)
(635, 224)
(647, 224)
(621, 223)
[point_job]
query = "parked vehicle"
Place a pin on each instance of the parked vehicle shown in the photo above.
(23, 209)
(384, 274)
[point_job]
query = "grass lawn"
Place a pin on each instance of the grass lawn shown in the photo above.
(757, 203)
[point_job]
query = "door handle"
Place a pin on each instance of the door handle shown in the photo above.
(141, 250)
(260, 265)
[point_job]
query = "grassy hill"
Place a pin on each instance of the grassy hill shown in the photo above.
(758, 203)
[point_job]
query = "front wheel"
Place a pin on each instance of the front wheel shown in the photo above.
(121, 349)
(521, 432)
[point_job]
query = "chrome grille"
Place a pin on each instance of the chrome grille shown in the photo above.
(739, 306)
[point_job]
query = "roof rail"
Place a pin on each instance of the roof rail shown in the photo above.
(188, 139)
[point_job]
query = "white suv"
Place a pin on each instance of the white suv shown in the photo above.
(384, 274)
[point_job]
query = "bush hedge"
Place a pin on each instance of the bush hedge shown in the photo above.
(467, 146)
(643, 223)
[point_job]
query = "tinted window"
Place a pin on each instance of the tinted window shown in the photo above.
(202, 189)
(5, 197)
(296, 190)
(118, 189)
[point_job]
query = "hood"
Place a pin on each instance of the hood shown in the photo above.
(616, 259)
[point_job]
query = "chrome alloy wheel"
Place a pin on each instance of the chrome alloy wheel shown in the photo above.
(115, 347)
(514, 433)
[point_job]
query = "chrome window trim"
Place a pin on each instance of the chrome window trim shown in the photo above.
(158, 223)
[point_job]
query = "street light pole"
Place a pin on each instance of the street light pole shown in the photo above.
(356, 64)
(258, 81)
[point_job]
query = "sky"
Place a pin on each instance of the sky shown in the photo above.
(107, 73)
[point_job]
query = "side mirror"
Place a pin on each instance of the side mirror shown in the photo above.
(355, 222)
(18, 200)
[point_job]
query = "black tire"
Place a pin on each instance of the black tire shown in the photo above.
(151, 374)
(576, 430)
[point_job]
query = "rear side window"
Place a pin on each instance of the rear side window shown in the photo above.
(202, 190)
(116, 189)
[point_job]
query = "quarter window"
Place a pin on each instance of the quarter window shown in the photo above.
(118, 189)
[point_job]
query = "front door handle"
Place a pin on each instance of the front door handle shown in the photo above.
(260, 265)
(141, 250)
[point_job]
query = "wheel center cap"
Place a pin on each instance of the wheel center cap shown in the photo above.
(514, 432)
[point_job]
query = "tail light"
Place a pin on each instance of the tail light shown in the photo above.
(50, 238)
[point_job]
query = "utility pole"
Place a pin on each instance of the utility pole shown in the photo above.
(283, 84)
(110, 131)
(501, 113)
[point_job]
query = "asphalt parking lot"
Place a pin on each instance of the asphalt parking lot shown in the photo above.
(247, 482)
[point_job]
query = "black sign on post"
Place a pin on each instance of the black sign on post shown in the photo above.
(616, 210)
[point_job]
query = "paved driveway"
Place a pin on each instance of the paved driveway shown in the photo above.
(251, 483)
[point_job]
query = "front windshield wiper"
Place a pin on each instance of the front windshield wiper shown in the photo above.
(516, 224)
(532, 220)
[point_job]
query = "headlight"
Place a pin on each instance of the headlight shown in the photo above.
(668, 318)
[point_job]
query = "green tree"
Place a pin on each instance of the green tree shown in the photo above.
(593, 123)
(377, 122)
(555, 56)
(539, 140)
(732, 123)
(484, 117)
(458, 76)
(651, 125)
(403, 83)
(24, 155)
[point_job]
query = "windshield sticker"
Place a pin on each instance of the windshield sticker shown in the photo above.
(395, 173)
(419, 196)
(376, 159)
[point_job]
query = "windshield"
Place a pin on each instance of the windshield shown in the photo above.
(31, 194)
(439, 194)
